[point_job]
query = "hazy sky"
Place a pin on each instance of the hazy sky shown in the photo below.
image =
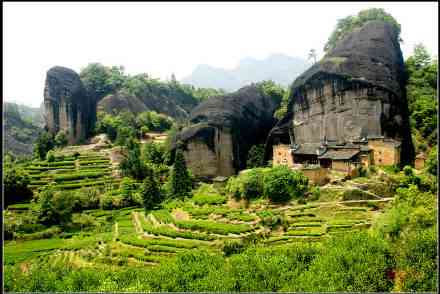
(162, 38)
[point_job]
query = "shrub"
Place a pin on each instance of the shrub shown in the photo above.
(255, 157)
(354, 262)
(281, 184)
(50, 156)
(431, 162)
(15, 184)
(55, 207)
(233, 247)
(315, 192)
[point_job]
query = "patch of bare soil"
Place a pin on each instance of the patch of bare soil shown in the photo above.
(179, 214)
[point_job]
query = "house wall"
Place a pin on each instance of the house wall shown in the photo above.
(346, 167)
(419, 163)
(366, 159)
(318, 176)
(282, 155)
(384, 153)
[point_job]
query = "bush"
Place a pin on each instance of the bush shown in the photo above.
(315, 192)
(233, 247)
(15, 184)
(255, 157)
(354, 262)
(50, 156)
(55, 207)
(431, 162)
(247, 185)
(281, 184)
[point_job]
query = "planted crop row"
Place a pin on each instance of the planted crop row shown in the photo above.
(132, 240)
(163, 216)
(87, 162)
(78, 176)
(170, 232)
(81, 184)
(44, 168)
(213, 227)
(53, 164)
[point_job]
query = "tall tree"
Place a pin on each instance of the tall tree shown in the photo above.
(180, 182)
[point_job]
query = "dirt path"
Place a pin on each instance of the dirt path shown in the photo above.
(116, 232)
(137, 223)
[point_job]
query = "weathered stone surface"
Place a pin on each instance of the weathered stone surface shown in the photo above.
(356, 91)
(67, 106)
(115, 103)
(222, 130)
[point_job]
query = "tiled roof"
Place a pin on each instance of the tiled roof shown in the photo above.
(307, 149)
(340, 154)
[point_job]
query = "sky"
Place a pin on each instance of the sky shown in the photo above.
(169, 37)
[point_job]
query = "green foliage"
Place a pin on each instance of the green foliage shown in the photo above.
(180, 181)
(153, 121)
(132, 164)
(15, 183)
(350, 23)
(154, 153)
(61, 139)
(282, 110)
(269, 88)
(55, 207)
(213, 227)
(50, 156)
(416, 261)
(282, 184)
(355, 262)
(432, 162)
(422, 93)
(207, 194)
(150, 192)
(100, 80)
(43, 144)
(255, 157)
(247, 185)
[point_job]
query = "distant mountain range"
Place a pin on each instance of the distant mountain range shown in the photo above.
(280, 68)
(22, 125)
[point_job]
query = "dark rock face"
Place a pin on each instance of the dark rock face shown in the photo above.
(67, 106)
(120, 101)
(356, 91)
(224, 128)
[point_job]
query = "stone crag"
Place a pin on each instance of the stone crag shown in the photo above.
(356, 92)
(169, 100)
(67, 106)
(223, 129)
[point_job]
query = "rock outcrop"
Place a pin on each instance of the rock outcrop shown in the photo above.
(223, 129)
(356, 92)
(115, 103)
(67, 107)
(160, 97)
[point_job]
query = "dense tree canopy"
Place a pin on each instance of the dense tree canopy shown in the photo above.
(349, 23)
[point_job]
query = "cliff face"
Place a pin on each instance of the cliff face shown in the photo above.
(355, 92)
(67, 106)
(161, 98)
(222, 130)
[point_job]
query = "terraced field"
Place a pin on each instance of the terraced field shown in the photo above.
(69, 172)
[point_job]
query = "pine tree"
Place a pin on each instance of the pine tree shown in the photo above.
(150, 192)
(180, 183)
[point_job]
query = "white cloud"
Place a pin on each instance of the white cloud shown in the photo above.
(161, 38)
